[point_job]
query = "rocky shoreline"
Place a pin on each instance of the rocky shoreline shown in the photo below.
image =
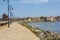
(42, 34)
(46, 35)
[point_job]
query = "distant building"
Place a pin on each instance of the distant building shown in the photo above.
(5, 16)
(51, 18)
(36, 19)
(57, 18)
(29, 18)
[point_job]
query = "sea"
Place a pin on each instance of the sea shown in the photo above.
(47, 26)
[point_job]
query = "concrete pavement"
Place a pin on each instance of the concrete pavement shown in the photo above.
(17, 32)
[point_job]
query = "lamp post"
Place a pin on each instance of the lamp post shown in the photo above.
(8, 11)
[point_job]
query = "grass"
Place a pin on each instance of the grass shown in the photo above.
(25, 24)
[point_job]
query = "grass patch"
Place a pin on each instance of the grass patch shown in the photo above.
(26, 25)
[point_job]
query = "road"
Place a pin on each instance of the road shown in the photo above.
(17, 32)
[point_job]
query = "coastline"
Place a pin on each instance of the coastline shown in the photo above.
(42, 34)
(26, 21)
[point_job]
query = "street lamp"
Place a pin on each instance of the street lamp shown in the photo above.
(8, 10)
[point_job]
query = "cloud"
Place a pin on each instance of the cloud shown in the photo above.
(34, 1)
(29, 1)
(56, 0)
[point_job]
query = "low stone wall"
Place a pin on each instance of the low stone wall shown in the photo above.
(4, 23)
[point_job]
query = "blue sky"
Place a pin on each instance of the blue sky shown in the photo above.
(25, 8)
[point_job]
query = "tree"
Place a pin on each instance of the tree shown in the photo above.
(43, 18)
(5, 16)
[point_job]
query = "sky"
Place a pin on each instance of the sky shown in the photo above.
(28, 8)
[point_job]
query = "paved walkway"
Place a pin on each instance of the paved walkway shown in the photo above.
(17, 32)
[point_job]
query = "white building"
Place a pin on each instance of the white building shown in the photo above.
(51, 18)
